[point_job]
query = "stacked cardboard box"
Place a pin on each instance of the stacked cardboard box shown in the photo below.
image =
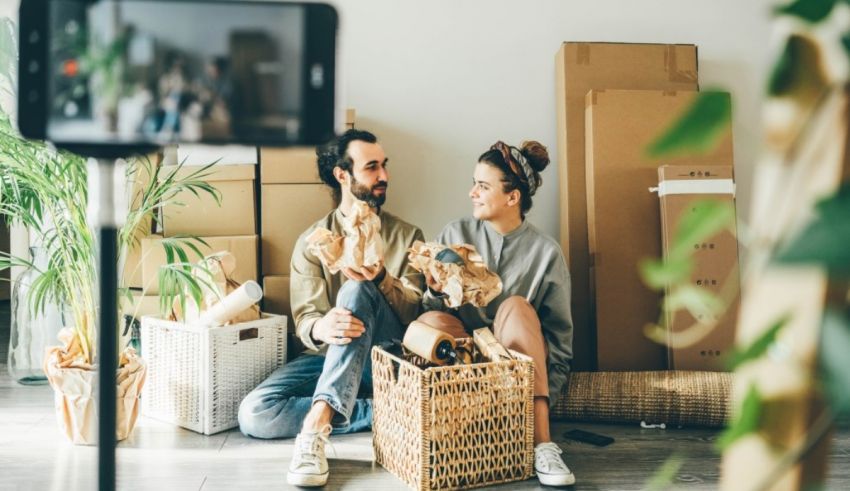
(293, 197)
(230, 226)
(131, 276)
(581, 67)
(715, 261)
(622, 215)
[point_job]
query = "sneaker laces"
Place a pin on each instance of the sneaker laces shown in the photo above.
(548, 458)
(310, 445)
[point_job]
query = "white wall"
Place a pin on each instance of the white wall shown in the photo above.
(440, 80)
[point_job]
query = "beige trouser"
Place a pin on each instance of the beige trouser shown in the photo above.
(516, 326)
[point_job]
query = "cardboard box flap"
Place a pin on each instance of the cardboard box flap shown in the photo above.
(678, 60)
(240, 172)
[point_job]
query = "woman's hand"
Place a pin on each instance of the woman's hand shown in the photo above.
(433, 284)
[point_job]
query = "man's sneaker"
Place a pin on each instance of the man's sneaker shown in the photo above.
(309, 467)
(551, 469)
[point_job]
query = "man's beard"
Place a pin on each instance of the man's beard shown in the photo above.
(364, 193)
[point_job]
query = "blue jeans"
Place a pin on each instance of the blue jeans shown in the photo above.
(342, 377)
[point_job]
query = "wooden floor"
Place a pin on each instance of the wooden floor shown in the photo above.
(157, 456)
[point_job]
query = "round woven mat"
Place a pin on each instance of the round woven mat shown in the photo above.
(677, 398)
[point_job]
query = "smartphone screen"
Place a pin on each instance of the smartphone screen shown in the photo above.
(184, 71)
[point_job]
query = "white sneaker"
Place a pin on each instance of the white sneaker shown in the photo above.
(309, 467)
(551, 469)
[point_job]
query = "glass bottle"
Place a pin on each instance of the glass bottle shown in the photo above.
(32, 332)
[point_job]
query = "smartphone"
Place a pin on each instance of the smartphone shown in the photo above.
(589, 437)
(151, 72)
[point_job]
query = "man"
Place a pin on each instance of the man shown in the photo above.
(339, 317)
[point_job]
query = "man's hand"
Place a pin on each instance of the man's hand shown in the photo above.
(338, 326)
(364, 273)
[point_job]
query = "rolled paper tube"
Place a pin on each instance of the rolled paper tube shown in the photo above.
(424, 340)
(230, 306)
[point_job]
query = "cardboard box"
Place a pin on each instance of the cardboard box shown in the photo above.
(296, 165)
(131, 276)
(288, 210)
(350, 114)
(140, 305)
(202, 216)
(276, 298)
(715, 260)
(581, 67)
(244, 248)
(623, 227)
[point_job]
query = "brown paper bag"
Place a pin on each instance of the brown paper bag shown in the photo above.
(359, 246)
(470, 283)
(74, 391)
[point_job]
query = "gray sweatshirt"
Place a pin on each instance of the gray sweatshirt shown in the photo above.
(531, 265)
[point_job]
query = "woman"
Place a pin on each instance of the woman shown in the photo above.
(532, 314)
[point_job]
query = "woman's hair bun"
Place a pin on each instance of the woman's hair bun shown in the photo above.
(536, 154)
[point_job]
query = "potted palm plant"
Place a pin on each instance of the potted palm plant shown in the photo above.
(45, 190)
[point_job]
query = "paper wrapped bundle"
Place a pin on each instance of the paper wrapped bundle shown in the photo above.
(214, 273)
(73, 383)
(470, 282)
(361, 245)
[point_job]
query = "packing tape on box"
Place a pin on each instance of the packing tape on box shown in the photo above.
(673, 72)
(695, 186)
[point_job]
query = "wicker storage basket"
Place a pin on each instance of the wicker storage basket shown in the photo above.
(677, 398)
(198, 376)
(453, 427)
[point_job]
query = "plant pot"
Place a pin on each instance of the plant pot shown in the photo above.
(75, 402)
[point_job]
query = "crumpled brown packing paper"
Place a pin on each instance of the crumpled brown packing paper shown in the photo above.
(472, 283)
(73, 383)
(215, 286)
(361, 245)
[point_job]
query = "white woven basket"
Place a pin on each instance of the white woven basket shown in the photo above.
(198, 376)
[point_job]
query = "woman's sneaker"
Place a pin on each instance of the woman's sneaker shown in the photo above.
(551, 469)
(309, 467)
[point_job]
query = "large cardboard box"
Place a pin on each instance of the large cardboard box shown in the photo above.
(276, 298)
(131, 275)
(203, 216)
(350, 115)
(296, 165)
(288, 210)
(715, 261)
(581, 67)
(244, 248)
(622, 216)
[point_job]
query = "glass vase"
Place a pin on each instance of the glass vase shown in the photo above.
(32, 332)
